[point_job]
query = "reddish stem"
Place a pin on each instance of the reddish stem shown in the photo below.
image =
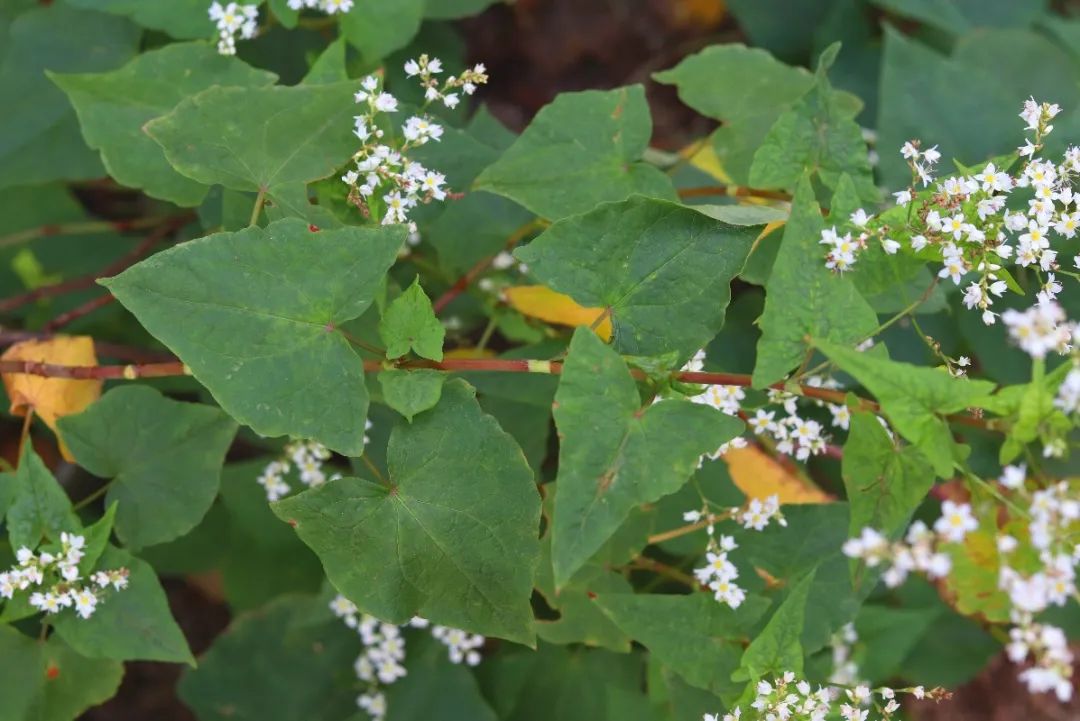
(458, 365)
(87, 281)
(75, 313)
(732, 191)
(462, 283)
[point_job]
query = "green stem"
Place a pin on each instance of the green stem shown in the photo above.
(260, 199)
(98, 493)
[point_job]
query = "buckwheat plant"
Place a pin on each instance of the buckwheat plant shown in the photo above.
(386, 184)
(975, 222)
(51, 581)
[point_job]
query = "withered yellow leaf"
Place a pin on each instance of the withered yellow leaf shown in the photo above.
(539, 301)
(759, 476)
(52, 398)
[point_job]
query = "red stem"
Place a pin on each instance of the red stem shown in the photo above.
(732, 191)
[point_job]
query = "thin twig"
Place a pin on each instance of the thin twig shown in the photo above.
(477, 270)
(86, 227)
(75, 313)
(87, 281)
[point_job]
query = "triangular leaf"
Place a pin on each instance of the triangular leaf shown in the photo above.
(253, 315)
(663, 269)
(163, 458)
(452, 537)
(614, 455)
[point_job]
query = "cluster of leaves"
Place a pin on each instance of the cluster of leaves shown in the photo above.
(514, 442)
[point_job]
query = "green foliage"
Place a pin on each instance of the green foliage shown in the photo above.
(451, 535)
(411, 392)
(616, 455)
(914, 400)
(804, 300)
(409, 323)
(40, 130)
(163, 459)
(38, 506)
(582, 149)
(49, 681)
(362, 479)
(113, 107)
(132, 624)
(884, 483)
(288, 137)
(275, 330)
(662, 269)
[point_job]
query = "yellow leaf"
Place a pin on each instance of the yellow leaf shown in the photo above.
(759, 476)
(538, 301)
(52, 398)
(707, 161)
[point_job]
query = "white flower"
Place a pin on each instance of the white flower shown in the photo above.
(903, 197)
(386, 103)
(955, 522)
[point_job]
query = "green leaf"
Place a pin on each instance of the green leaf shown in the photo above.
(253, 315)
(411, 392)
(885, 483)
(435, 689)
(913, 398)
(113, 107)
(290, 136)
(565, 683)
(184, 19)
(663, 269)
(49, 681)
(452, 538)
(695, 635)
(614, 455)
(582, 149)
(818, 135)
(97, 537)
(41, 140)
(580, 619)
(715, 83)
(409, 323)
(778, 648)
(379, 27)
(133, 624)
(303, 661)
(39, 507)
(804, 299)
(163, 458)
(329, 67)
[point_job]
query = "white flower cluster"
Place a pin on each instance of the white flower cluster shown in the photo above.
(792, 434)
(920, 551)
(719, 573)
(385, 182)
(845, 671)
(330, 7)
(786, 699)
(232, 19)
(1053, 515)
(1068, 393)
(965, 221)
(1040, 329)
(53, 579)
(307, 457)
(382, 661)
